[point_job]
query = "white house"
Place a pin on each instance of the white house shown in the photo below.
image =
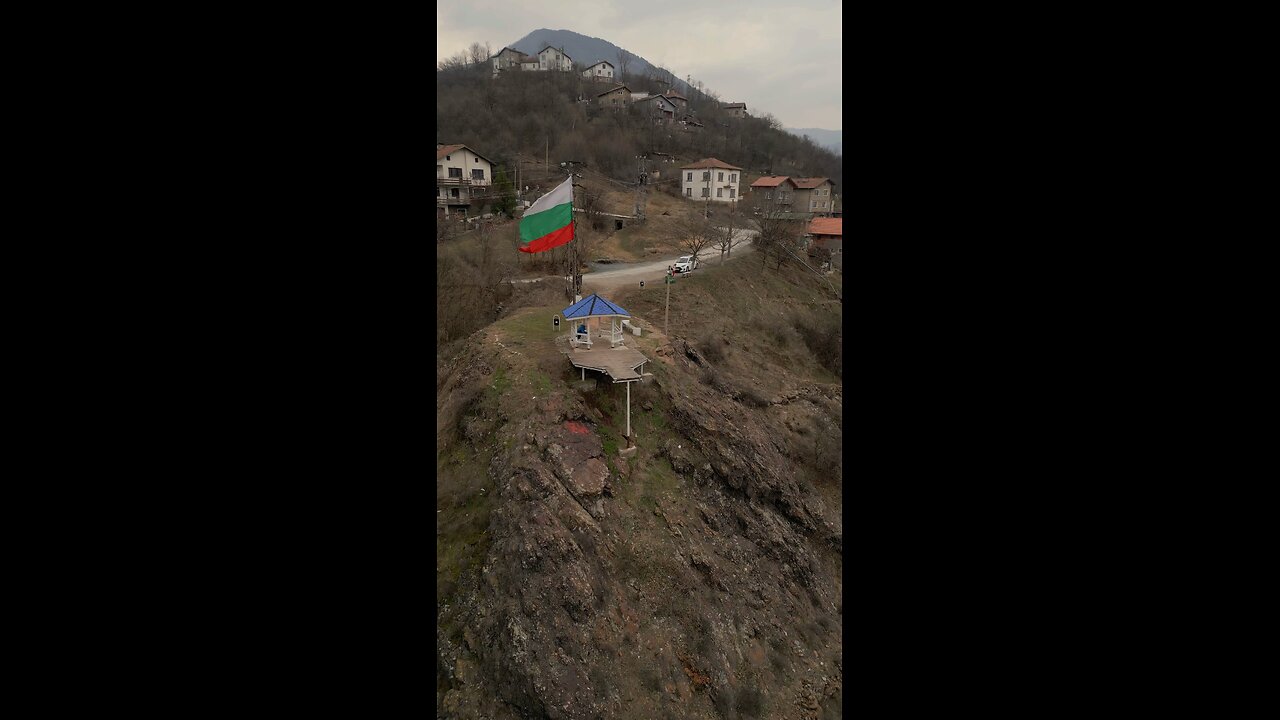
(710, 179)
(462, 174)
(550, 58)
(602, 71)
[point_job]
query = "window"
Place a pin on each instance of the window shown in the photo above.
(732, 192)
(688, 192)
(439, 171)
(706, 192)
(455, 172)
(688, 177)
(448, 157)
(719, 192)
(768, 194)
(477, 174)
(454, 192)
(706, 175)
(733, 177)
(720, 178)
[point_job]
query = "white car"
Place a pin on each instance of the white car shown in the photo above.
(686, 264)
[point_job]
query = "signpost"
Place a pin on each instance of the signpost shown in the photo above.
(555, 322)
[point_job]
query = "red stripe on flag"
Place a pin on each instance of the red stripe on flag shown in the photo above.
(550, 240)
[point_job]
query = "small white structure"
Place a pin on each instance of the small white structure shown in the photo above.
(622, 364)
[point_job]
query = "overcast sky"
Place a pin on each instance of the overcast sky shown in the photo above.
(777, 56)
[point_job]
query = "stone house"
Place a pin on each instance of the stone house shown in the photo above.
(506, 59)
(827, 239)
(813, 194)
(657, 107)
(775, 191)
(615, 97)
(738, 110)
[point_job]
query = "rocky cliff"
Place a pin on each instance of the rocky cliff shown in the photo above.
(697, 575)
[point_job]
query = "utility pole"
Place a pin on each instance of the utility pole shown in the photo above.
(641, 189)
(666, 320)
(575, 245)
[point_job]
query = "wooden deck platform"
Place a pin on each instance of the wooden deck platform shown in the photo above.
(619, 363)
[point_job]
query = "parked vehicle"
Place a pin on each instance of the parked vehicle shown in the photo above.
(686, 264)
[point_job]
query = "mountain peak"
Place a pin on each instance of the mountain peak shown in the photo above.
(587, 50)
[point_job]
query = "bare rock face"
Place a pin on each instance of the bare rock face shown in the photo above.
(684, 590)
(569, 447)
(588, 480)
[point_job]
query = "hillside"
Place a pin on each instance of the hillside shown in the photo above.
(830, 139)
(699, 577)
(587, 51)
(520, 116)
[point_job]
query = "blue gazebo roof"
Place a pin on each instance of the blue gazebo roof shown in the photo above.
(593, 306)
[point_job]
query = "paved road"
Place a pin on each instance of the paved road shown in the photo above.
(611, 276)
(616, 275)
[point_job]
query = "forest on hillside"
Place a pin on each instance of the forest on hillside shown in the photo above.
(551, 113)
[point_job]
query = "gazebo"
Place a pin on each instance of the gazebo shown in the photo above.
(622, 364)
(594, 307)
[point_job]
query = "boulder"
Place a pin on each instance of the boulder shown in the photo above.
(589, 478)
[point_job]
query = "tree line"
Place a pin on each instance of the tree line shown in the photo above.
(541, 114)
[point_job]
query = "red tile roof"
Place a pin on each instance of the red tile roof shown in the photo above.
(827, 226)
(619, 87)
(674, 94)
(709, 163)
(771, 181)
(450, 149)
(809, 183)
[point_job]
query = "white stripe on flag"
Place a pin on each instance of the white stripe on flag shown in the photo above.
(561, 195)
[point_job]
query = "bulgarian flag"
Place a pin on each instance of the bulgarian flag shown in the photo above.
(548, 222)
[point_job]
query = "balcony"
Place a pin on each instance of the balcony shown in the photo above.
(461, 182)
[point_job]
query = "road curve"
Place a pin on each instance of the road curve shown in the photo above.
(627, 274)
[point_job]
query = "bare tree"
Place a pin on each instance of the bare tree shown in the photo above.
(477, 54)
(727, 238)
(624, 62)
(778, 238)
(456, 61)
(696, 234)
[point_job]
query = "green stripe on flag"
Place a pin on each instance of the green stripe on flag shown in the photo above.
(535, 226)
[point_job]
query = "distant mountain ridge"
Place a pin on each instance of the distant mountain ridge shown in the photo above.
(830, 139)
(586, 50)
